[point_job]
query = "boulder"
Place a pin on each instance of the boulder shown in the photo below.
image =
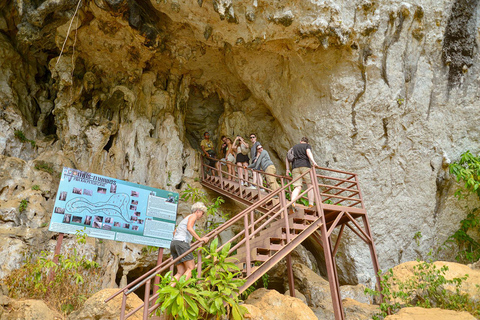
(356, 293)
(96, 308)
(355, 310)
(265, 304)
(298, 295)
(315, 288)
(27, 310)
(417, 313)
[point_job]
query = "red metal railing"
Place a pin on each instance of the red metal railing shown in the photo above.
(255, 218)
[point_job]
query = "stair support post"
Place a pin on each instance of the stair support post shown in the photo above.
(146, 300)
(199, 263)
(123, 307)
(371, 245)
(291, 281)
(248, 258)
(327, 250)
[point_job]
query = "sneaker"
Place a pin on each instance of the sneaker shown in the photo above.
(252, 187)
(241, 183)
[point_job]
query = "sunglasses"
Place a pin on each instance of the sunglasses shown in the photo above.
(252, 137)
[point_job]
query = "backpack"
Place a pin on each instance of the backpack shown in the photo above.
(290, 155)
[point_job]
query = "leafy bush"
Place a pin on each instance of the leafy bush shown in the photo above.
(75, 278)
(426, 289)
(213, 207)
(467, 169)
(36, 187)
(216, 293)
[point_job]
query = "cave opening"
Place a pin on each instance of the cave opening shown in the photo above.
(132, 275)
(202, 114)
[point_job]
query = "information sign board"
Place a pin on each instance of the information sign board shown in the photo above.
(114, 209)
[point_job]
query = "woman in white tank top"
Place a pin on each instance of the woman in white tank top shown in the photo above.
(182, 236)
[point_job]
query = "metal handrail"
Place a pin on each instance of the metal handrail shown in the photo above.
(249, 222)
(146, 278)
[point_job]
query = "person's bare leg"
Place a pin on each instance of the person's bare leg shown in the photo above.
(180, 272)
(240, 172)
(311, 196)
(256, 180)
(295, 193)
(245, 173)
(189, 265)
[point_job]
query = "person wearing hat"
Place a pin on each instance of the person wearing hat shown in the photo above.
(182, 236)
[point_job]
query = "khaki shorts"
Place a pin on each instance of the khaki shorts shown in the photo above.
(297, 172)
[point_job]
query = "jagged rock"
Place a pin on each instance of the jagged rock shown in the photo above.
(264, 304)
(96, 308)
(417, 313)
(356, 293)
(11, 309)
(314, 287)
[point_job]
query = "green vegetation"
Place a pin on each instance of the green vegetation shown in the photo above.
(36, 187)
(467, 170)
(213, 207)
(44, 166)
(426, 289)
(417, 236)
(64, 286)
(213, 294)
(148, 249)
(21, 136)
(23, 205)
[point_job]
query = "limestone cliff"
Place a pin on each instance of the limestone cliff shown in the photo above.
(126, 88)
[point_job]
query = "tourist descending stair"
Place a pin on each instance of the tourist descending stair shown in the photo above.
(270, 234)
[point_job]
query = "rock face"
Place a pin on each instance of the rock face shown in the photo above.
(417, 313)
(386, 89)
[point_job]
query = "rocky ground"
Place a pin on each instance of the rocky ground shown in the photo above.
(387, 89)
(312, 301)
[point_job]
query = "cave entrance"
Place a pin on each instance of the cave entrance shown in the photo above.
(203, 113)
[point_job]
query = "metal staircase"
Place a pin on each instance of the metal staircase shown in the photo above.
(270, 233)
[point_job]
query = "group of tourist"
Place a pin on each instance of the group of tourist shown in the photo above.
(240, 153)
(237, 153)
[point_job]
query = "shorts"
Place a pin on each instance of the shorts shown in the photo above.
(177, 248)
(231, 158)
(242, 158)
(297, 172)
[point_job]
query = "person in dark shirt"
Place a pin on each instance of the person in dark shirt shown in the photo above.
(256, 177)
(302, 162)
(264, 163)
